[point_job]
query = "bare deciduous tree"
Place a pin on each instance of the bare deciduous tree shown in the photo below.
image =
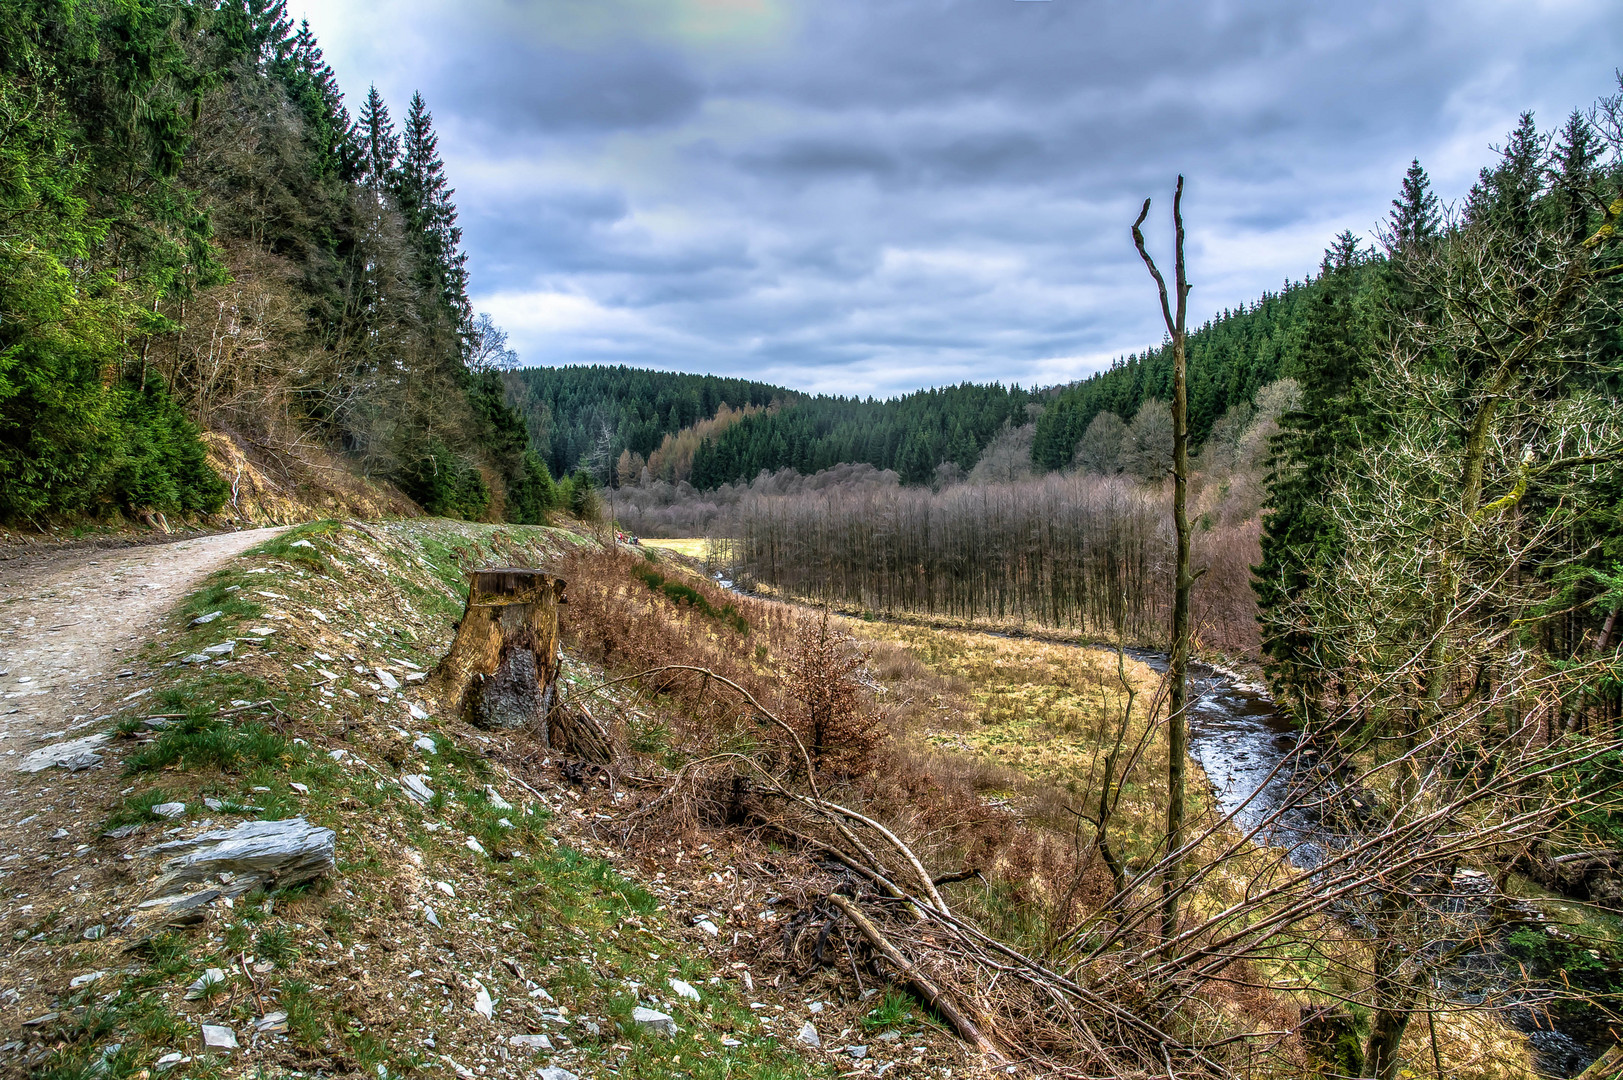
(1174, 311)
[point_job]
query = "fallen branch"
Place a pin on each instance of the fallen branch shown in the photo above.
(929, 991)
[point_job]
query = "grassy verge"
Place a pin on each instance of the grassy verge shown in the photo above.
(447, 928)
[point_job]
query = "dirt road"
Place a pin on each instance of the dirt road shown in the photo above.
(71, 623)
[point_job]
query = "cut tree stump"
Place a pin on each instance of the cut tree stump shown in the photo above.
(503, 665)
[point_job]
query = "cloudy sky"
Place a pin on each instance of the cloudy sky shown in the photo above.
(869, 196)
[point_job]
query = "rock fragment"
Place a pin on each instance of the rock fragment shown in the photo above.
(248, 855)
(651, 1020)
(808, 1035)
(169, 809)
(205, 984)
(684, 990)
(72, 755)
(415, 785)
(219, 1039)
(531, 1043)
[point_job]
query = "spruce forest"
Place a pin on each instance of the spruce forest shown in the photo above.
(405, 706)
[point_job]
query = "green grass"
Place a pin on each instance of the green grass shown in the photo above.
(137, 809)
(894, 1010)
(201, 742)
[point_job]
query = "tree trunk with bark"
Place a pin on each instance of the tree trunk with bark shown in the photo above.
(502, 667)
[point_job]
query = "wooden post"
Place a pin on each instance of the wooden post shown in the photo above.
(502, 666)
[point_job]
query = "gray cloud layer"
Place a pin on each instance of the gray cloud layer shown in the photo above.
(853, 196)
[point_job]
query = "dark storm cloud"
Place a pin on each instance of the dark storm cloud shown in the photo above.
(857, 196)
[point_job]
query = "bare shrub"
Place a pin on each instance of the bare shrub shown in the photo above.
(834, 713)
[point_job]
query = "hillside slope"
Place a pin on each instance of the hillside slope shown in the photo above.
(494, 929)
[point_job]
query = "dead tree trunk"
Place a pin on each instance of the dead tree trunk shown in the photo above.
(502, 667)
(1184, 579)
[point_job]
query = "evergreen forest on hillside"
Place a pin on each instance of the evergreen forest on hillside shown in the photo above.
(197, 234)
(586, 417)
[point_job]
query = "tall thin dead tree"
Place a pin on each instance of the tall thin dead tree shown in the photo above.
(1184, 579)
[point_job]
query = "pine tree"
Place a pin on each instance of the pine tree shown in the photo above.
(313, 88)
(1503, 196)
(1414, 217)
(380, 143)
(424, 197)
(1298, 534)
(1577, 153)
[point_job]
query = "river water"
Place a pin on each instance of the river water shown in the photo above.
(1245, 746)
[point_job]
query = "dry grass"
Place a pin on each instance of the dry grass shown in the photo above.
(698, 548)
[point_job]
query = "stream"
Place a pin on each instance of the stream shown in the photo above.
(1239, 739)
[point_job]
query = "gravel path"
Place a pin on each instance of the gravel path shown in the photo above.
(71, 622)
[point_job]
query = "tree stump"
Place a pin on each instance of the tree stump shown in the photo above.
(502, 667)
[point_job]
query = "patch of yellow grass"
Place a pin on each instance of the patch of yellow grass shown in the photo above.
(1045, 710)
(697, 548)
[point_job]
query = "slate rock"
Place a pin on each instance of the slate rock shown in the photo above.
(219, 1039)
(415, 785)
(208, 981)
(169, 809)
(272, 1023)
(553, 1072)
(72, 755)
(684, 990)
(426, 745)
(251, 854)
(531, 1043)
(808, 1035)
(178, 903)
(210, 617)
(650, 1020)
